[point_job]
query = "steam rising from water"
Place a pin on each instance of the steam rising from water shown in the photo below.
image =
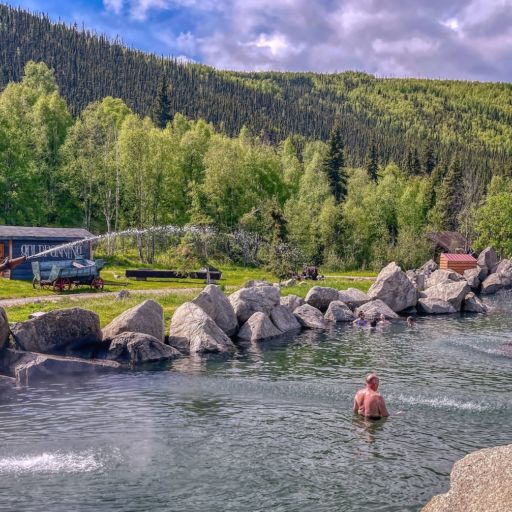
(85, 462)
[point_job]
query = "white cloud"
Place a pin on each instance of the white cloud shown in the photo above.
(113, 5)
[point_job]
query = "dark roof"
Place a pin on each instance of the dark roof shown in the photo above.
(22, 232)
(450, 241)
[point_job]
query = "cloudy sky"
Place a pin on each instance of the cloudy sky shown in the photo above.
(458, 39)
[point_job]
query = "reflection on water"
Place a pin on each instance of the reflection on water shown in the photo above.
(268, 429)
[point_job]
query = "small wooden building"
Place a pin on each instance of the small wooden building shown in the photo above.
(16, 241)
(456, 262)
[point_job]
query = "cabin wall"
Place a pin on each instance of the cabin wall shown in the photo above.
(456, 266)
(29, 247)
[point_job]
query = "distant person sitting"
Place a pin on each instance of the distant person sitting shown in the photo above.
(360, 321)
(368, 402)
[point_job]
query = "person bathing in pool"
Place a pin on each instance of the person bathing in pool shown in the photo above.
(360, 321)
(368, 402)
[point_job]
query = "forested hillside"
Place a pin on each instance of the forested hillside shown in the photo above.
(411, 122)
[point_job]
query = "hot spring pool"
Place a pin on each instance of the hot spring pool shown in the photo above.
(268, 430)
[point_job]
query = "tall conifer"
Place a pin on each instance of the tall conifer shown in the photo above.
(334, 164)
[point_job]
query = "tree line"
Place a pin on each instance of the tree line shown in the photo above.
(299, 201)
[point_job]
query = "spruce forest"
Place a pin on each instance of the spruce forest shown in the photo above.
(343, 170)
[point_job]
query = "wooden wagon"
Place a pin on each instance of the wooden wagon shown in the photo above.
(63, 274)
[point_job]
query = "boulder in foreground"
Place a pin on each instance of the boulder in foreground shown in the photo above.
(480, 482)
(353, 297)
(4, 329)
(63, 331)
(139, 348)
(452, 292)
(284, 319)
(218, 308)
(146, 318)
(247, 301)
(472, 304)
(435, 307)
(339, 312)
(292, 302)
(321, 296)
(258, 327)
(375, 308)
(394, 288)
(310, 317)
(192, 330)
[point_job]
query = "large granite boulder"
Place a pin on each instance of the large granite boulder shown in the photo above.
(472, 304)
(146, 318)
(493, 283)
(258, 327)
(504, 270)
(339, 312)
(480, 482)
(394, 288)
(292, 302)
(218, 308)
(310, 317)
(72, 331)
(417, 279)
(4, 328)
(192, 330)
(453, 292)
(428, 267)
(321, 296)
(139, 348)
(375, 308)
(42, 366)
(284, 319)
(353, 297)
(471, 276)
(441, 276)
(487, 259)
(435, 307)
(247, 301)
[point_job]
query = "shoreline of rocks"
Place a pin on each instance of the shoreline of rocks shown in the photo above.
(71, 340)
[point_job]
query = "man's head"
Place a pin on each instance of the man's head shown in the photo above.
(361, 315)
(372, 381)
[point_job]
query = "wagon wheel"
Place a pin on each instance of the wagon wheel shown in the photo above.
(44, 285)
(36, 282)
(61, 284)
(97, 283)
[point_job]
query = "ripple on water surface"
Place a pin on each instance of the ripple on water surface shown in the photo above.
(270, 429)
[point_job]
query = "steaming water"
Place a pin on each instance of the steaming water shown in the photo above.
(270, 429)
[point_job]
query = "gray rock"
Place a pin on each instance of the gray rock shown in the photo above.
(192, 330)
(504, 270)
(487, 258)
(417, 279)
(63, 331)
(442, 276)
(139, 348)
(483, 272)
(339, 312)
(472, 304)
(4, 328)
(37, 314)
(288, 283)
(452, 292)
(375, 308)
(218, 308)
(428, 267)
(284, 319)
(256, 282)
(321, 296)
(310, 317)
(292, 302)
(480, 482)
(146, 318)
(471, 276)
(394, 288)
(353, 297)
(435, 307)
(7, 383)
(493, 283)
(42, 366)
(247, 301)
(122, 295)
(258, 327)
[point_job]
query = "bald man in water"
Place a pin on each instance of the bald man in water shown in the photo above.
(368, 402)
